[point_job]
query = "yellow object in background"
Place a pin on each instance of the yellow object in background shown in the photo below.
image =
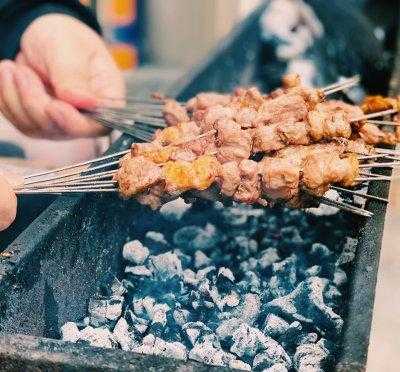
(125, 55)
(118, 12)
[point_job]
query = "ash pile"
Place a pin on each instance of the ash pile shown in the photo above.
(240, 287)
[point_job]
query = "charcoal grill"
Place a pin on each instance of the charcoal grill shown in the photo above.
(48, 273)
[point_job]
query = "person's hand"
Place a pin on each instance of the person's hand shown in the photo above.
(8, 204)
(63, 66)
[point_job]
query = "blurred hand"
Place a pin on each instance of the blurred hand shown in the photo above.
(63, 66)
(8, 204)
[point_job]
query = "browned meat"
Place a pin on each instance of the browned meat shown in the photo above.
(280, 178)
(293, 133)
(174, 113)
(282, 108)
(206, 100)
(378, 103)
(183, 131)
(334, 106)
(291, 81)
(229, 178)
(248, 98)
(233, 143)
(249, 189)
(136, 174)
(153, 197)
(327, 126)
(372, 135)
(266, 139)
(357, 146)
(323, 169)
(180, 176)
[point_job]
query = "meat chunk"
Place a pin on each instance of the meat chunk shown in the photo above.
(153, 151)
(233, 142)
(176, 134)
(206, 100)
(266, 139)
(248, 98)
(334, 106)
(229, 178)
(213, 115)
(323, 169)
(292, 133)
(245, 117)
(372, 135)
(280, 178)
(174, 113)
(180, 176)
(327, 126)
(249, 189)
(378, 103)
(287, 107)
(291, 81)
(136, 174)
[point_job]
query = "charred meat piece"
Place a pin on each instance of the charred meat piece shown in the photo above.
(233, 142)
(294, 133)
(326, 125)
(247, 98)
(136, 174)
(245, 117)
(174, 113)
(183, 131)
(291, 81)
(332, 106)
(266, 139)
(213, 115)
(323, 169)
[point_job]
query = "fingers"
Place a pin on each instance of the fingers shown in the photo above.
(10, 104)
(8, 204)
(72, 122)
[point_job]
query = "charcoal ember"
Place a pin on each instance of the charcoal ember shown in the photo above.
(307, 338)
(284, 276)
(166, 265)
(111, 286)
(198, 332)
(225, 330)
(140, 270)
(152, 345)
(201, 260)
(102, 310)
(332, 296)
(339, 277)
(186, 260)
(207, 272)
(306, 304)
(321, 252)
(249, 308)
(206, 352)
(135, 252)
(147, 345)
(278, 367)
(143, 307)
(250, 264)
(193, 238)
(311, 357)
(83, 323)
(243, 247)
(250, 283)
(248, 341)
(225, 280)
(156, 242)
(174, 210)
(158, 315)
(181, 316)
(275, 326)
(313, 271)
(125, 335)
(100, 337)
(348, 252)
(239, 365)
(291, 336)
(268, 257)
(271, 360)
(291, 238)
(190, 277)
(70, 332)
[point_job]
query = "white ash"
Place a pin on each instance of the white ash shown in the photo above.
(135, 252)
(249, 289)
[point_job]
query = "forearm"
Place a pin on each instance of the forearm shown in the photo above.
(16, 16)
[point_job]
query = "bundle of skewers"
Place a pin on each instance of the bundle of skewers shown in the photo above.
(290, 146)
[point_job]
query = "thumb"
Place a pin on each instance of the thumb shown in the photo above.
(70, 79)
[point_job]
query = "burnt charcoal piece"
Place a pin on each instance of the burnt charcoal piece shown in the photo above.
(306, 303)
